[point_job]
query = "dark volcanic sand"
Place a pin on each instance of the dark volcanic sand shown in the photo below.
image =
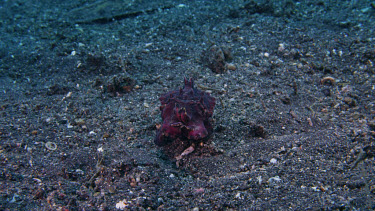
(294, 123)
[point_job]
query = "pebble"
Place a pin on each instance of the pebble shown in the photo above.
(148, 44)
(238, 195)
(79, 121)
(231, 66)
(69, 94)
(121, 205)
(274, 179)
(273, 161)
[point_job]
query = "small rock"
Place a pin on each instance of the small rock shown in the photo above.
(274, 179)
(231, 66)
(79, 121)
(350, 101)
(273, 161)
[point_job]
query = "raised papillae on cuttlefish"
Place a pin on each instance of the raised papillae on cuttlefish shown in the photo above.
(186, 114)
